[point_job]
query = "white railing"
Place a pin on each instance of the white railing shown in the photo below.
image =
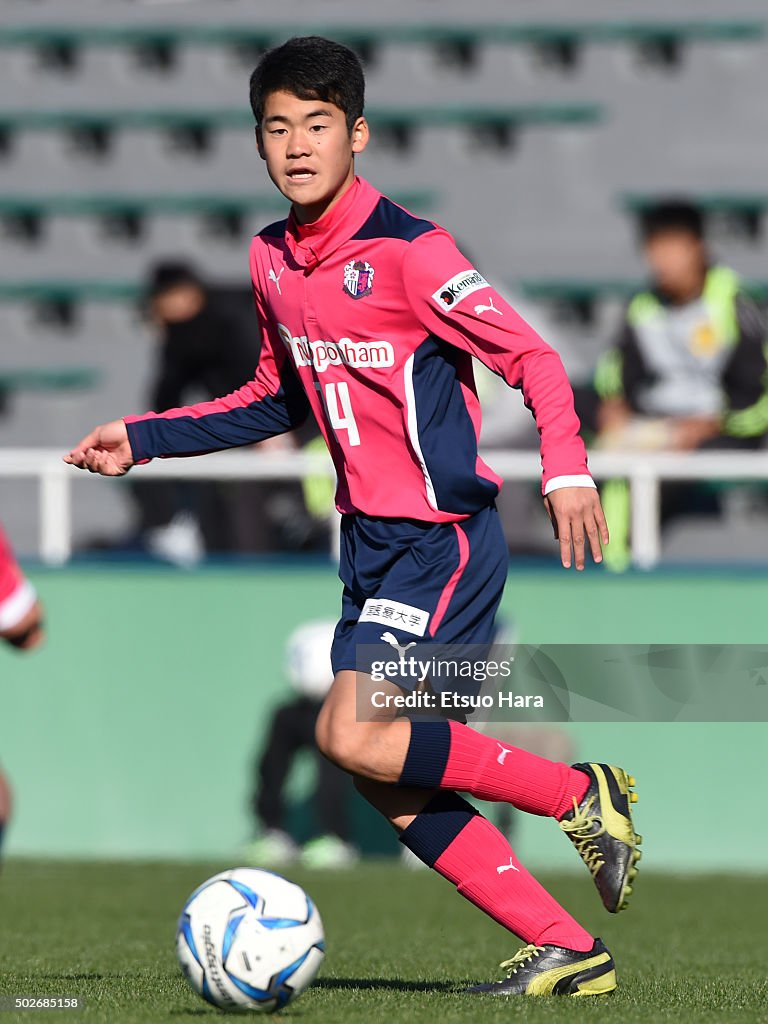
(644, 473)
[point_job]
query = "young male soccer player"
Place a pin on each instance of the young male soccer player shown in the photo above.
(369, 318)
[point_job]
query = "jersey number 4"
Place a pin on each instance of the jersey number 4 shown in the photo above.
(339, 409)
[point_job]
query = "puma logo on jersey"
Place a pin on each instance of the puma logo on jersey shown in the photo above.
(392, 641)
(503, 754)
(275, 278)
(479, 310)
(506, 867)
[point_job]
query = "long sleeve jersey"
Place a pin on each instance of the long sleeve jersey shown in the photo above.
(370, 317)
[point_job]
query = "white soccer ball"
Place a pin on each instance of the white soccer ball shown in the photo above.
(249, 939)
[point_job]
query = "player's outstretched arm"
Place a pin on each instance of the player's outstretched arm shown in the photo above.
(106, 450)
(577, 518)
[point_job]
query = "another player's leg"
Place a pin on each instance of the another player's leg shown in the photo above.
(332, 848)
(5, 805)
(451, 836)
(274, 845)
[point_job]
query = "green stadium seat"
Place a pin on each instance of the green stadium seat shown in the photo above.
(58, 301)
(193, 128)
(661, 41)
(262, 36)
(182, 204)
(241, 117)
(580, 296)
(126, 212)
(575, 291)
(70, 291)
(67, 378)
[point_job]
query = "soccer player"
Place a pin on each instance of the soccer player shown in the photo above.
(370, 318)
(21, 626)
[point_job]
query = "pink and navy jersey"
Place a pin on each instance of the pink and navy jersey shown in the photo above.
(370, 318)
(17, 595)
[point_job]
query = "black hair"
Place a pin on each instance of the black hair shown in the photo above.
(672, 215)
(311, 68)
(170, 274)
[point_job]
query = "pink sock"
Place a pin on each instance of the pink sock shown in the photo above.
(484, 869)
(452, 756)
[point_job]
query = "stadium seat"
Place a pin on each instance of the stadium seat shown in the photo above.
(125, 214)
(69, 378)
(157, 44)
(582, 295)
(193, 128)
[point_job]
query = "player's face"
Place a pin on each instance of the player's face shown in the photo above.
(309, 151)
(677, 260)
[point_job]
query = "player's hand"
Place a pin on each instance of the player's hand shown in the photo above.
(106, 450)
(576, 514)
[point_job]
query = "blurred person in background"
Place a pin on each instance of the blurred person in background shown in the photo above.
(687, 370)
(291, 731)
(21, 626)
(208, 343)
(204, 348)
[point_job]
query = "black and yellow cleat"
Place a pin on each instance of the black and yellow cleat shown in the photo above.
(601, 829)
(554, 971)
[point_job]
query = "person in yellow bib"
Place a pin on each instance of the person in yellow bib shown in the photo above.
(688, 368)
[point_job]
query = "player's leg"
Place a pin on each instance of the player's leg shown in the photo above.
(284, 742)
(363, 747)
(455, 576)
(451, 578)
(332, 847)
(448, 834)
(5, 805)
(332, 797)
(453, 838)
(590, 801)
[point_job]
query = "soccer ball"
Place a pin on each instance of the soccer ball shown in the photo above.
(249, 939)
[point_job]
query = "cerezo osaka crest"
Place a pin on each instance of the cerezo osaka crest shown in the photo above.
(358, 279)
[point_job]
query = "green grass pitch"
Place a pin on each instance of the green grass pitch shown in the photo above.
(400, 947)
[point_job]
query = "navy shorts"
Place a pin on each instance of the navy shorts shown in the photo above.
(416, 585)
